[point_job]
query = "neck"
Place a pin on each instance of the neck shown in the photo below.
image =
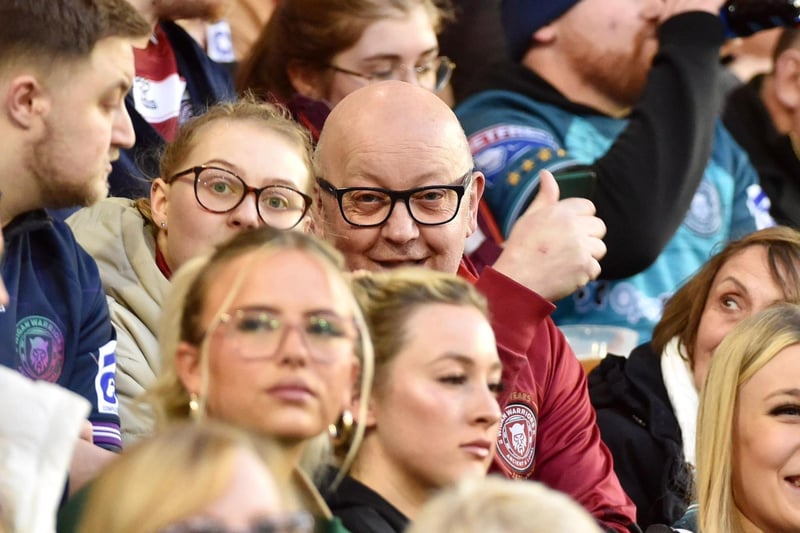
(379, 472)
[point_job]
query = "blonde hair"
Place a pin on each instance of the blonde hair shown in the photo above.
(184, 305)
(390, 298)
(749, 346)
(499, 505)
(273, 117)
(169, 477)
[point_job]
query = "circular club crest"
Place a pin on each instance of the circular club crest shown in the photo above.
(516, 442)
(40, 348)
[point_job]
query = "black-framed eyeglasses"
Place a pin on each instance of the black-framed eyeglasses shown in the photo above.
(298, 522)
(367, 207)
(220, 191)
(433, 75)
(260, 332)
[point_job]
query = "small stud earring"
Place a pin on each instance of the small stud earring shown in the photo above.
(163, 225)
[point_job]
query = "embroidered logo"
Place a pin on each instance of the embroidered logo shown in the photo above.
(40, 348)
(104, 383)
(516, 439)
(705, 214)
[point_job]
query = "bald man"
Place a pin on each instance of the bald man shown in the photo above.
(405, 149)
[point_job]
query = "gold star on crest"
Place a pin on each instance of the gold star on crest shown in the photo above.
(528, 165)
(561, 152)
(545, 154)
(513, 178)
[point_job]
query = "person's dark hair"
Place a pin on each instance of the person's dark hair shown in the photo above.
(682, 313)
(309, 33)
(50, 31)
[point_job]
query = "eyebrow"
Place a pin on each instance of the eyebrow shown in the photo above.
(465, 360)
(231, 167)
(396, 57)
(276, 311)
(795, 392)
(735, 281)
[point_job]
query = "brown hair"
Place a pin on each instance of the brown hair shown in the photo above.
(390, 298)
(789, 38)
(47, 32)
(274, 117)
(683, 311)
(310, 32)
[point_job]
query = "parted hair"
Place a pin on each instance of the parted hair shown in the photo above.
(389, 298)
(683, 311)
(749, 346)
(311, 32)
(47, 32)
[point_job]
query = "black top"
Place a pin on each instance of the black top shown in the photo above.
(770, 151)
(639, 426)
(362, 510)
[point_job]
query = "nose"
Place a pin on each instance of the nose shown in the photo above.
(292, 348)
(245, 216)
(486, 410)
(122, 134)
(409, 75)
(400, 228)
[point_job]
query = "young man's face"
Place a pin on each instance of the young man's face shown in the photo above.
(85, 126)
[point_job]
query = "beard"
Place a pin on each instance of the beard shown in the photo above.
(209, 10)
(619, 75)
(50, 159)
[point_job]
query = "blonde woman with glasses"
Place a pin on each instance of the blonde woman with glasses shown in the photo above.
(265, 334)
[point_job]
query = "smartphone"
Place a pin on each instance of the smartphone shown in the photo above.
(576, 181)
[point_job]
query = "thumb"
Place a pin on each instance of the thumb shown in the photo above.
(548, 191)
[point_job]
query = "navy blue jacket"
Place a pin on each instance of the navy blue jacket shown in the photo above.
(207, 82)
(56, 326)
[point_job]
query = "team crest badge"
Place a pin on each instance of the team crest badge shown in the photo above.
(516, 440)
(40, 348)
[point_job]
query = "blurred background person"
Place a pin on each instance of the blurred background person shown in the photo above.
(432, 417)
(496, 504)
(266, 335)
(238, 167)
(748, 428)
(175, 80)
(647, 403)
(312, 53)
(193, 478)
(763, 116)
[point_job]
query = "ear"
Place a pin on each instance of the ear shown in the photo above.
(159, 201)
(477, 185)
(187, 366)
(787, 79)
(546, 34)
(306, 80)
(26, 102)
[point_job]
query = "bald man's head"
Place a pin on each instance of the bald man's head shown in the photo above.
(399, 151)
(389, 116)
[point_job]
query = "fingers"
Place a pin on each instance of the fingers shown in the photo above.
(548, 192)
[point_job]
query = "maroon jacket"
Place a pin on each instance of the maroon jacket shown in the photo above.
(548, 429)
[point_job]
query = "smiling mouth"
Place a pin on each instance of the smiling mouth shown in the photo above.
(401, 263)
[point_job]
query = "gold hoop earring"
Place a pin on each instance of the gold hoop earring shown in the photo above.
(194, 406)
(341, 432)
